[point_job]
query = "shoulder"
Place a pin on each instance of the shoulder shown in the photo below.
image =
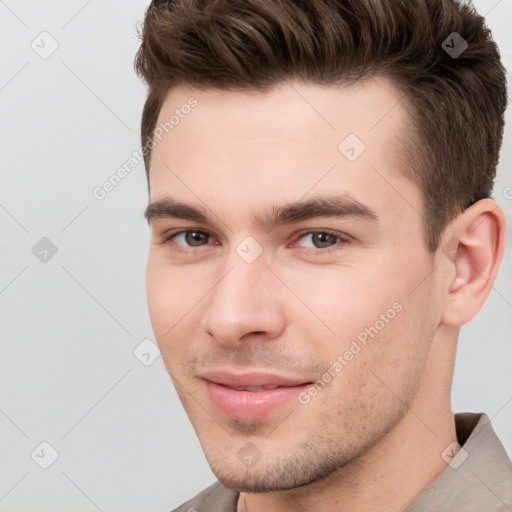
(477, 477)
(215, 498)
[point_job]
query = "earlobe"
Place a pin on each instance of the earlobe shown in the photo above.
(472, 258)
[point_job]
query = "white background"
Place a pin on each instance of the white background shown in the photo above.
(68, 375)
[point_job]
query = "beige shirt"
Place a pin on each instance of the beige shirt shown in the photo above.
(477, 479)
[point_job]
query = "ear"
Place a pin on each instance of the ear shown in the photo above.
(471, 253)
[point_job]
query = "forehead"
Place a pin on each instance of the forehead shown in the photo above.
(369, 105)
(250, 149)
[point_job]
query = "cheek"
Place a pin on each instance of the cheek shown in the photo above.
(394, 358)
(341, 303)
(169, 297)
(383, 333)
(158, 297)
(377, 379)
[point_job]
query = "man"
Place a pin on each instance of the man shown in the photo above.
(320, 176)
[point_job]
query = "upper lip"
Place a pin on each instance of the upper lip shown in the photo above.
(250, 379)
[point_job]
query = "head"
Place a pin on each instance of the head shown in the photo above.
(321, 218)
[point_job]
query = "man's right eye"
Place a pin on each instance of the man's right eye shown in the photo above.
(188, 238)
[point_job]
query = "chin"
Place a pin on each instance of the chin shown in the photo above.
(282, 474)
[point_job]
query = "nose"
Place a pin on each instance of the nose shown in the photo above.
(243, 305)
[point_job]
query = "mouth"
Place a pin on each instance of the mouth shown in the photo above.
(250, 396)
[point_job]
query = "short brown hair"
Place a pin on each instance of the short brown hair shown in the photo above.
(456, 103)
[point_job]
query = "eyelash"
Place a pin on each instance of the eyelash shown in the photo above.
(307, 250)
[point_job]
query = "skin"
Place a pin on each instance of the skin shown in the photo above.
(372, 439)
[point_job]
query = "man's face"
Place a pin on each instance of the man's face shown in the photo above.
(295, 345)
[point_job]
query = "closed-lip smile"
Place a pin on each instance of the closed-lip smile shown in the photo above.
(250, 396)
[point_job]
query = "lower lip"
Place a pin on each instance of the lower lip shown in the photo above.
(250, 405)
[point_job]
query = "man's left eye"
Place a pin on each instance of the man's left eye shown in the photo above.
(320, 239)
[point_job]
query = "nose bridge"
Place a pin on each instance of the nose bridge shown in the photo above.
(241, 287)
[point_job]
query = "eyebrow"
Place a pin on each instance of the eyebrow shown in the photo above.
(324, 206)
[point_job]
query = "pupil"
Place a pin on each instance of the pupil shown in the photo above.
(323, 238)
(194, 236)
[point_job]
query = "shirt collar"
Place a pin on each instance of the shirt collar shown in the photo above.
(478, 477)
